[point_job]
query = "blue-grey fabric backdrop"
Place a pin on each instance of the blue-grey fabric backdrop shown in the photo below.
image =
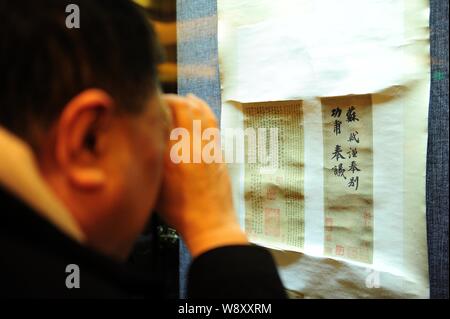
(199, 74)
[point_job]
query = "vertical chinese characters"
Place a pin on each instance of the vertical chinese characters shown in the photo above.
(348, 199)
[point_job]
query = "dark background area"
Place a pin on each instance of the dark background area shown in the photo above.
(437, 158)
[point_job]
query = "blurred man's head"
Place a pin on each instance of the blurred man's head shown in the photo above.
(88, 103)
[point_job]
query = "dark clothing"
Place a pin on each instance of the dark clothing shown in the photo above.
(34, 255)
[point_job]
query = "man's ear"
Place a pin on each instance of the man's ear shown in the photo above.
(78, 138)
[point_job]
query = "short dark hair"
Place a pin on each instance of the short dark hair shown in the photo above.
(43, 63)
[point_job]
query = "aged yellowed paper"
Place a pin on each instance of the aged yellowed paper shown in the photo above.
(274, 194)
(348, 177)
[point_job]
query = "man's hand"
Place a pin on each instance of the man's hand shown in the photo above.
(196, 197)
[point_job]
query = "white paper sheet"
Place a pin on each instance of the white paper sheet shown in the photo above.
(371, 52)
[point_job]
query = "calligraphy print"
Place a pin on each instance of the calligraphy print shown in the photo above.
(274, 198)
(348, 177)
